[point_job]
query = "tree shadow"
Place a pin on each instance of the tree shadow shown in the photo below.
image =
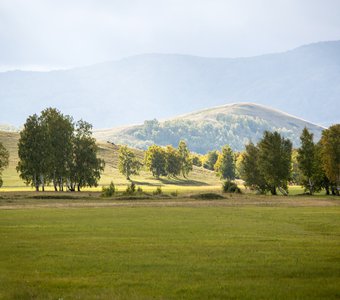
(173, 181)
(184, 182)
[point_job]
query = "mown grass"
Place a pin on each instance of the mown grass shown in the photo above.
(196, 252)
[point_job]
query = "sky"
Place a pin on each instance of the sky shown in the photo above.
(54, 34)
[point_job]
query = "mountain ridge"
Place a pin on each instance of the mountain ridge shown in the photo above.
(304, 81)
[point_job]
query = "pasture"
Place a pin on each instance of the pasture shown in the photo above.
(239, 247)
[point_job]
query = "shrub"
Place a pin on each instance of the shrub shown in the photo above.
(207, 196)
(230, 187)
(131, 189)
(158, 191)
(109, 191)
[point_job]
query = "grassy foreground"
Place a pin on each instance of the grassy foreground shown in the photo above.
(163, 252)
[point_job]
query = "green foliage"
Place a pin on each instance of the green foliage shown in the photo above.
(308, 163)
(34, 165)
(131, 188)
(230, 187)
(85, 166)
(50, 149)
(330, 148)
(210, 160)
(296, 175)
(250, 171)
(173, 161)
(274, 161)
(196, 160)
(267, 166)
(155, 161)
(4, 160)
(225, 164)
(109, 191)
(128, 163)
(185, 159)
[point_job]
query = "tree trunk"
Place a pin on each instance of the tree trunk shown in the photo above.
(55, 183)
(78, 187)
(42, 183)
(311, 189)
(273, 190)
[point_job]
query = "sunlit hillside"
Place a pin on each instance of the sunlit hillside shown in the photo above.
(209, 129)
(199, 179)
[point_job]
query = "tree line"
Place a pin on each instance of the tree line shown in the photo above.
(160, 161)
(54, 149)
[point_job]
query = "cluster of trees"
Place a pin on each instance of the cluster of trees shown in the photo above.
(168, 161)
(271, 164)
(53, 149)
(319, 163)
(4, 160)
(267, 165)
(160, 161)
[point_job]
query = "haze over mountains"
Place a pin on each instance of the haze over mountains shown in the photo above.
(209, 129)
(304, 82)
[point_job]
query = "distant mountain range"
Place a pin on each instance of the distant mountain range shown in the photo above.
(304, 82)
(209, 129)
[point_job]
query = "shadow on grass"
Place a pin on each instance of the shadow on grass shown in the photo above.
(173, 181)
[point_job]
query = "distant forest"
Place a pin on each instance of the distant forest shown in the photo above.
(205, 135)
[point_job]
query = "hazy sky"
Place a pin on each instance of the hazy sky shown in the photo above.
(45, 34)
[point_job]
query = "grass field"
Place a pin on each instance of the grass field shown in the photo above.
(240, 247)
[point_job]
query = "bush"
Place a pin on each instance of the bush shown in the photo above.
(230, 187)
(139, 190)
(131, 189)
(207, 196)
(158, 191)
(109, 191)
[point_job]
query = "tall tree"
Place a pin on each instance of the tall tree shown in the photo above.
(128, 163)
(186, 161)
(155, 160)
(330, 142)
(4, 160)
(85, 167)
(250, 171)
(225, 164)
(307, 160)
(274, 161)
(59, 129)
(32, 153)
(173, 161)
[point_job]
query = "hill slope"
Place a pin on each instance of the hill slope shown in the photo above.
(304, 82)
(199, 178)
(233, 124)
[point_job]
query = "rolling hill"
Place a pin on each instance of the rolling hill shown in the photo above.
(209, 129)
(304, 81)
(199, 179)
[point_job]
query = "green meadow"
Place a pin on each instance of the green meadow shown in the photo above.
(239, 247)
